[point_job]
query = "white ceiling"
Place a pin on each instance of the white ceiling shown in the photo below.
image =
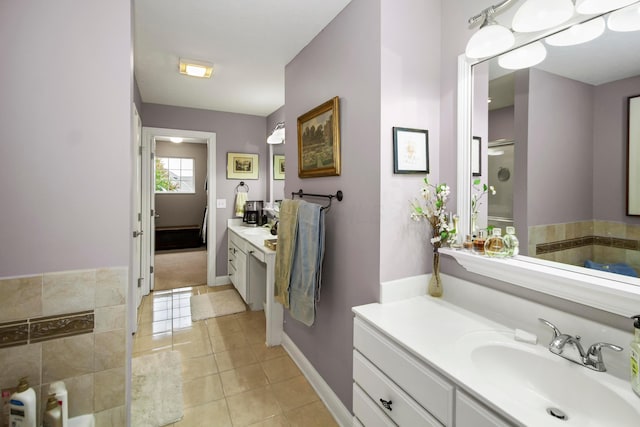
(248, 41)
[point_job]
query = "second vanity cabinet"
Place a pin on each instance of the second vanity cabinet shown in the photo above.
(237, 265)
(393, 387)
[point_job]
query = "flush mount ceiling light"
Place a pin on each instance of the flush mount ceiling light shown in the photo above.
(277, 136)
(538, 15)
(195, 68)
(588, 7)
(627, 19)
(523, 57)
(176, 139)
(577, 34)
(491, 38)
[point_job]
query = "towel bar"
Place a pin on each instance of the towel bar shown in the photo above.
(338, 196)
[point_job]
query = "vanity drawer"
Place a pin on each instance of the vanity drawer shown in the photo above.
(424, 385)
(238, 242)
(257, 253)
(367, 412)
(403, 410)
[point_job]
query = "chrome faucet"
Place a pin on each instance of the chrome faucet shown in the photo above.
(592, 358)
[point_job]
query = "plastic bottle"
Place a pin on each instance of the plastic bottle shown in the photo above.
(53, 413)
(60, 390)
(511, 242)
(23, 406)
(635, 356)
(494, 245)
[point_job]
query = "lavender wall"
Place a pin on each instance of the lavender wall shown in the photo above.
(560, 146)
(234, 133)
(65, 151)
(610, 150)
(183, 209)
(410, 97)
(343, 60)
(501, 123)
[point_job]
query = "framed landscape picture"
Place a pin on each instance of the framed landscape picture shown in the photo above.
(278, 166)
(319, 141)
(242, 166)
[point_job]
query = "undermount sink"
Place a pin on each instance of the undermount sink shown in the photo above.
(255, 231)
(549, 389)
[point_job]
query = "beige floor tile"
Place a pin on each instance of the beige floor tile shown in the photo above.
(243, 379)
(196, 367)
(151, 328)
(255, 336)
(150, 342)
(211, 414)
(312, 415)
(294, 392)
(235, 358)
(222, 326)
(202, 390)
(253, 406)
(197, 332)
(262, 352)
(280, 369)
(222, 343)
(277, 421)
(194, 348)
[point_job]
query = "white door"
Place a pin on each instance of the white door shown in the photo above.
(137, 220)
(154, 214)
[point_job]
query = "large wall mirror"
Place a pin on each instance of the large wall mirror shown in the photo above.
(556, 144)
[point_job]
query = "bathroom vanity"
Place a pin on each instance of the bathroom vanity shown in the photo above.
(251, 269)
(432, 362)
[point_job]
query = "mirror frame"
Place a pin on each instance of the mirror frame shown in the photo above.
(633, 155)
(617, 295)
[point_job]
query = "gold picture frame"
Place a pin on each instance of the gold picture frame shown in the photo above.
(319, 141)
(278, 167)
(242, 166)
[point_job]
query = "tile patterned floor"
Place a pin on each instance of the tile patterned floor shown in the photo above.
(230, 378)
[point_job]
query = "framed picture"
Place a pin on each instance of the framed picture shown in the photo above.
(242, 166)
(319, 141)
(278, 166)
(410, 150)
(476, 159)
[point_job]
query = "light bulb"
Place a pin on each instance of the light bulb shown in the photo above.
(489, 40)
(577, 34)
(627, 19)
(592, 7)
(537, 15)
(523, 57)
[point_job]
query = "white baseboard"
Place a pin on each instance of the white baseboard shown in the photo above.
(221, 280)
(340, 413)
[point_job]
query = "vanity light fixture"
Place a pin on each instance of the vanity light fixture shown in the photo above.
(588, 7)
(194, 68)
(277, 135)
(627, 19)
(538, 15)
(491, 38)
(578, 34)
(523, 57)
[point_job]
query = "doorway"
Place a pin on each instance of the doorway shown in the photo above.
(500, 176)
(150, 138)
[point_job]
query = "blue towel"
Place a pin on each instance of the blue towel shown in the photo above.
(618, 268)
(306, 269)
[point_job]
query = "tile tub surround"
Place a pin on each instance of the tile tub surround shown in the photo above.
(68, 326)
(573, 243)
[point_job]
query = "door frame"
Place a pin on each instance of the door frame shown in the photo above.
(149, 135)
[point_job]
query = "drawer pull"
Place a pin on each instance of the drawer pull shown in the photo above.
(386, 404)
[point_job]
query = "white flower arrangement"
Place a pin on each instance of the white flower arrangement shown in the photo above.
(432, 208)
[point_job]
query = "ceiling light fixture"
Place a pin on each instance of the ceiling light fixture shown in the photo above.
(589, 7)
(523, 57)
(538, 15)
(195, 68)
(176, 140)
(578, 34)
(627, 19)
(491, 38)
(277, 135)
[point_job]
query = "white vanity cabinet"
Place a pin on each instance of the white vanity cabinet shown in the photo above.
(393, 387)
(237, 266)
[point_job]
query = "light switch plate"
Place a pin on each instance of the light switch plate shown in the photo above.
(221, 203)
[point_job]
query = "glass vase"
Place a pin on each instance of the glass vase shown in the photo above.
(435, 283)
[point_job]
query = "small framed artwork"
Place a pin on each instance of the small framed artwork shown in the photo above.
(278, 166)
(410, 150)
(319, 141)
(242, 166)
(476, 159)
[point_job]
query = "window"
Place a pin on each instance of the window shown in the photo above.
(175, 175)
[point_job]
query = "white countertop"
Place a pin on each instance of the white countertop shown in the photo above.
(254, 235)
(443, 335)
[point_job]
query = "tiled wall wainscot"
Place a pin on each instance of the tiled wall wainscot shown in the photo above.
(68, 326)
(574, 243)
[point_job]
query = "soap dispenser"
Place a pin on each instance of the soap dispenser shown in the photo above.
(635, 356)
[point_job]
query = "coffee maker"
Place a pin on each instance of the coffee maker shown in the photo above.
(253, 213)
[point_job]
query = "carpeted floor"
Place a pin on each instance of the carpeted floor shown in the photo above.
(180, 269)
